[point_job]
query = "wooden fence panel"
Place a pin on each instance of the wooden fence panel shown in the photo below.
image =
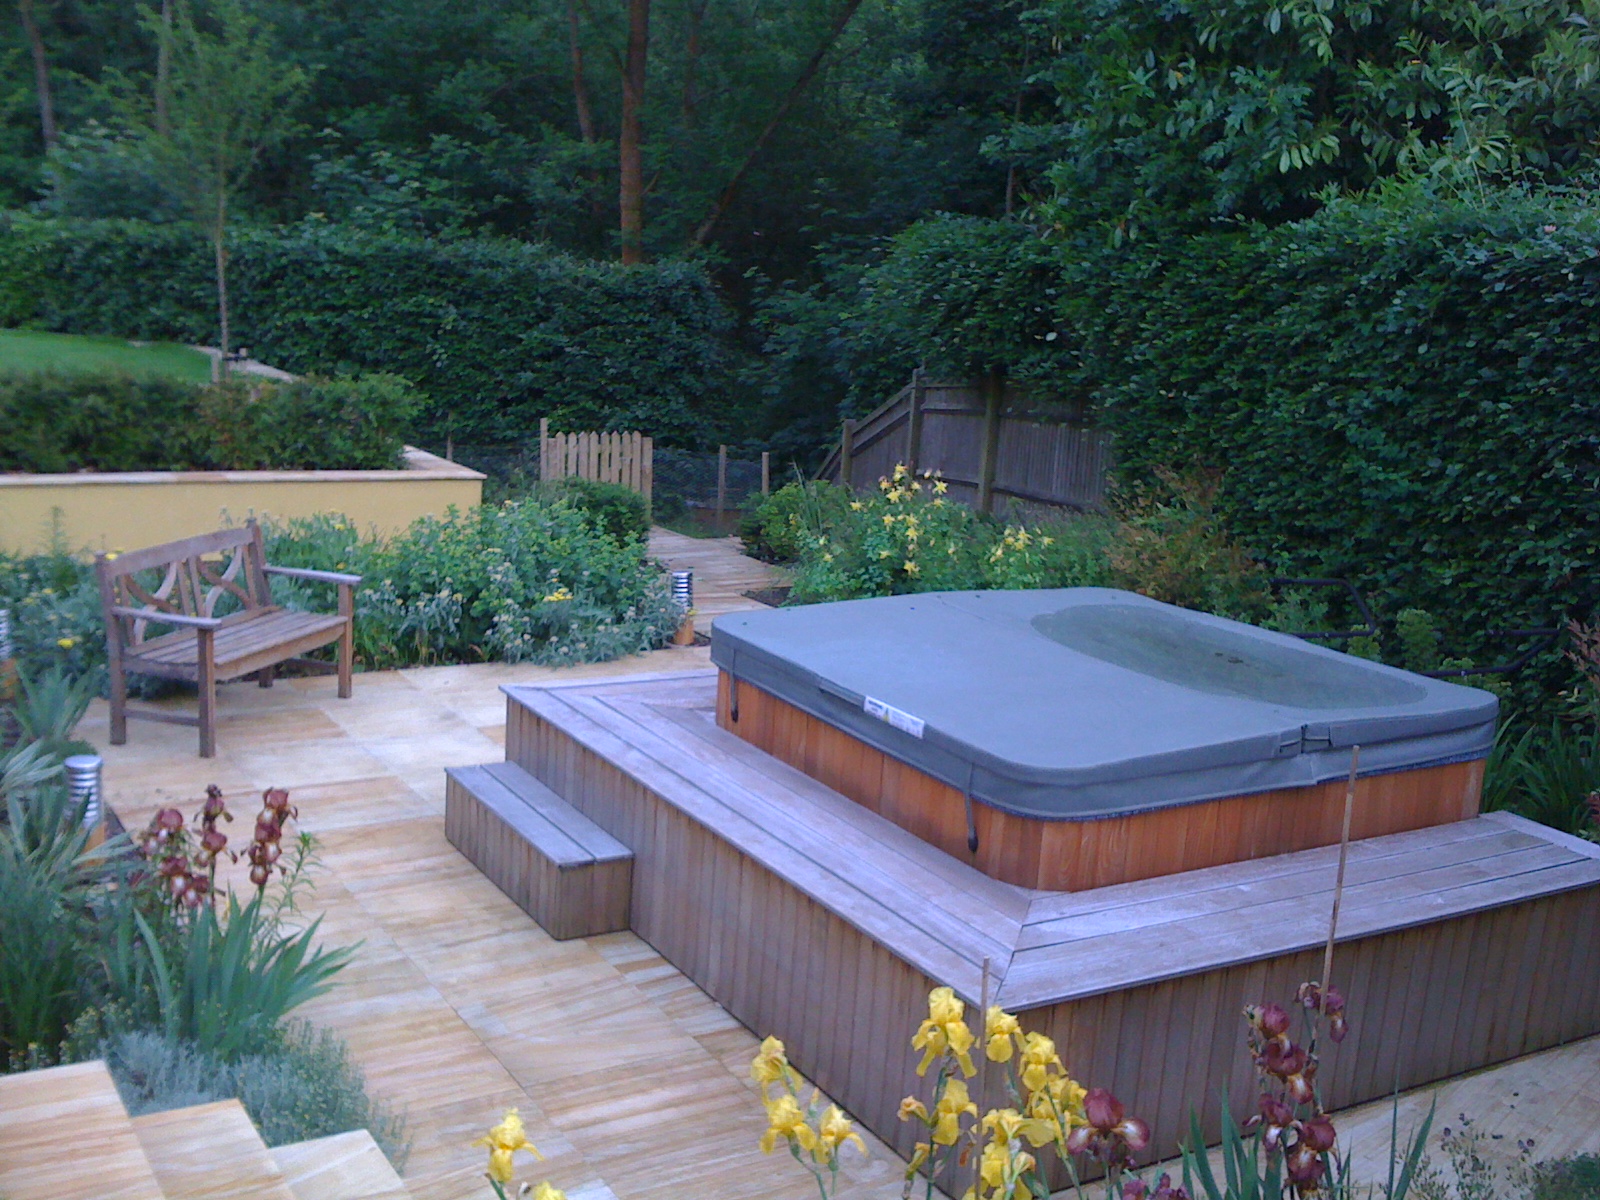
(610, 457)
(1063, 463)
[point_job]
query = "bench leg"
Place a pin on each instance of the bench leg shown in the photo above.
(347, 659)
(119, 701)
(207, 679)
(264, 676)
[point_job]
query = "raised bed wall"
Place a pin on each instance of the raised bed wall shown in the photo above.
(122, 511)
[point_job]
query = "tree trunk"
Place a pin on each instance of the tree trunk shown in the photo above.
(580, 83)
(631, 190)
(691, 93)
(729, 193)
(219, 247)
(41, 72)
(164, 70)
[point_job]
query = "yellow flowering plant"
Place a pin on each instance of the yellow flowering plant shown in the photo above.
(814, 1133)
(1047, 1109)
(504, 1142)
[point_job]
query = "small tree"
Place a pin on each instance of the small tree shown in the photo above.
(225, 98)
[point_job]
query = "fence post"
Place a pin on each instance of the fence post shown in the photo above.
(845, 448)
(994, 388)
(544, 448)
(766, 472)
(919, 391)
(722, 483)
(647, 469)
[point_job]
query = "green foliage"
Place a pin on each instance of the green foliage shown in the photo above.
(240, 974)
(46, 874)
(1402, 393)
(909, 538)
(966, 296)
(1545, 773)
(1174, 548)
(117, 422)
(1184, 113)
(56, 622)
(305, 1087)
(1576, 1178)
(620, 512)
(776, 527)
(497, 333)
(50, 706)
(522, 581)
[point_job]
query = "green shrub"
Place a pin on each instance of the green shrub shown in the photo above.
(1403, 391)
(522, 581)
(619, 511)
(497, 333)
(1576, 1178)
(775, 528)
(909, 538)
(304, 1087)
(112, 422)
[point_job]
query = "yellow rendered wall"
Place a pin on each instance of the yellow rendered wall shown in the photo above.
(124, 512)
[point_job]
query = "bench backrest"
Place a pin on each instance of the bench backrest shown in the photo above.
(190, 577)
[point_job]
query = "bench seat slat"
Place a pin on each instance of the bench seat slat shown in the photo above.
(236, 642)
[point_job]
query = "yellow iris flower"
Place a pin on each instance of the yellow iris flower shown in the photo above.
(771, 1064)
(1038, 1056)
(504, 1140)
(833, 1131)
(786, 1120)
(1001, 1032)
(944, 1032)
(947, 1112)
(545, 1192)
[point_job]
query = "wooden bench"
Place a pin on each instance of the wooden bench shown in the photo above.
(183, 586)
(562, 869)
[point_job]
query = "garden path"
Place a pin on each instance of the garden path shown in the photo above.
(722, 572)
(633, 1082)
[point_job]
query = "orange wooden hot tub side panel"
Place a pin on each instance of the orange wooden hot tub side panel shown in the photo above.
(1070, 856)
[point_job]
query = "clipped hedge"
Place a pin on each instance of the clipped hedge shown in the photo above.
(1403, 391)
(497, 333)
(113, 422)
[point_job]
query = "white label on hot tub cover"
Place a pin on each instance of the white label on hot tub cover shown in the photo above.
(902, 721)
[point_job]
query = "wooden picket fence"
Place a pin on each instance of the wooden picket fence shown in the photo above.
(625, 458)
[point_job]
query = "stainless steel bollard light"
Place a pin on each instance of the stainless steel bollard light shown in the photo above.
(683, 589)
(83, 782)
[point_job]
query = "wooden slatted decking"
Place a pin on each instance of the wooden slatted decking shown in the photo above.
(810, 917)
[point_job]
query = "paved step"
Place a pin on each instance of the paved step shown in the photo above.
(64, 1135)
(210, 1152)
(346, 1166)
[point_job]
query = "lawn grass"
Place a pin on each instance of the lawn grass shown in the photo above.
(28, 350)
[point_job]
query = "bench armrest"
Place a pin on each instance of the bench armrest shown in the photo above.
(316, 576)
(157, 617)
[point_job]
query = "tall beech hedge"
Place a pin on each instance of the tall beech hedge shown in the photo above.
(1403, 391)
(496, 333)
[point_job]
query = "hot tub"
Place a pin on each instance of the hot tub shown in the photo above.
(1072, 738)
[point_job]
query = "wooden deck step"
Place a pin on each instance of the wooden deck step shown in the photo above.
(64, 1135)
(210, 1152)
(345, 1166)
(565, 871)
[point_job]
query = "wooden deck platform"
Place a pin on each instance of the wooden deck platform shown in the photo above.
(812, 918)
